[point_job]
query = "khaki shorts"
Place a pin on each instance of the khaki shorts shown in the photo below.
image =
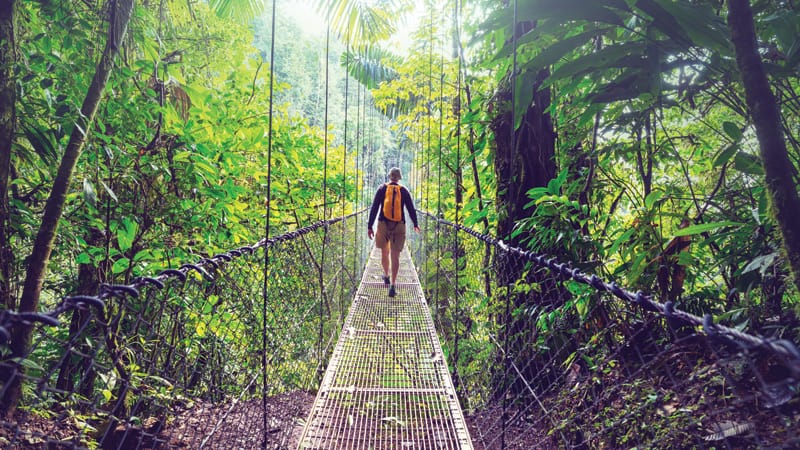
(393, 233)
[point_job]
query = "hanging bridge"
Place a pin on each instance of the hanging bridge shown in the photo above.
(486, 346)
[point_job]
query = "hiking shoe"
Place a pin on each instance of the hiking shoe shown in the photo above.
(392, 292)
(386, 280)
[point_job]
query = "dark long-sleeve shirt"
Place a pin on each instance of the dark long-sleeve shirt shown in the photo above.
(377, 206)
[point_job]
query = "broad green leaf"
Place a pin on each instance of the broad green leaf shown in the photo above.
(652, 198)
(761, 263)
(42, 141)
(624, 237)
(747, 163)
(664, 21)
(725, 155)
(570, 10)
(554, 52)
(120, 265)
(28, 363)
(126, 233)
(533, 36)
(627, 54)
(630, 85)
(637, 267)
(732, 131)
(704, 227)
(83, 258)
(705, 28)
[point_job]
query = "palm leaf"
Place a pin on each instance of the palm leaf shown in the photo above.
(241, 11)
(362, 22)
(370, 65)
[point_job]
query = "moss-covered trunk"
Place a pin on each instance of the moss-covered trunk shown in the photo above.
(8, 98)
(525, 159)
(11, 376)
(766, 118)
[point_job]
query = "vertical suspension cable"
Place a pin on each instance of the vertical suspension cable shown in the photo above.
(430, 97)
(344, 177)
(265, 287)
(370, 137)
(513, 82)
(427, 157)
(439, 169)
(322, 290)
(362, 148)
(357, 176)
(457, 118)
(373, 140)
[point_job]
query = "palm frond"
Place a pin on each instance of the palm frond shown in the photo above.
(370, 65)
(361, 22)
(241, 11)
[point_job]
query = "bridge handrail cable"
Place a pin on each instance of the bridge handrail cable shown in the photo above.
(780, 347)
(106, 291)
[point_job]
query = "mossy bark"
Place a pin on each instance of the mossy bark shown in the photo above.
(766, 117)
(525, 159)
(8, 118)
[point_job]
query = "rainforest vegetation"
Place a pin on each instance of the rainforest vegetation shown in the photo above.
(653, 142)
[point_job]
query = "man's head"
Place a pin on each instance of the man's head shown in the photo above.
(394, 174)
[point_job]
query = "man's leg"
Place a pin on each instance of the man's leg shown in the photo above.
(382, 242)
(395, 264)
(385, 260)
(397, 243)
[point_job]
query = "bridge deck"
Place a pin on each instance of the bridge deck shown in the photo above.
(387, 385)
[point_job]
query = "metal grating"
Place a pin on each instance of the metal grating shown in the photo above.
(387, 385)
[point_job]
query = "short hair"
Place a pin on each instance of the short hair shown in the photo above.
(394, 174)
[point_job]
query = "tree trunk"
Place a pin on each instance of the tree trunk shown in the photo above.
(120, 14)
(525, 163)
(525, 159)
(74, 367)
(8, 113)
(766, 117)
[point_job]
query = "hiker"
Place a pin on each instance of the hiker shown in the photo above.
(388, 207)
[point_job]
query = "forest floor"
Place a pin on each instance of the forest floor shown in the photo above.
(239, 426)
(288, 412)
(242, 427)
(232, 426)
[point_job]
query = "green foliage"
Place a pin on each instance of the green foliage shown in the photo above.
(654, 144)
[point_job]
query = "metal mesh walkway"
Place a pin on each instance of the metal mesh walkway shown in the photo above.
(387, 385)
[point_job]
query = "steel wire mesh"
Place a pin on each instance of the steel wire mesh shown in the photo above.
(545, 361)
(387, 385)
(179, 366)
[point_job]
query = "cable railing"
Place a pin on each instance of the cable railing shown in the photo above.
(542, 355)
(175, 360)
(546, 356)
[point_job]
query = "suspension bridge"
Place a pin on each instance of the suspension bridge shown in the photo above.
(505, 349)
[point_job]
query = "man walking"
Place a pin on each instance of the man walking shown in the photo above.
(391, 236)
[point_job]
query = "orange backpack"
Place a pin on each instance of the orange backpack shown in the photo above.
(393, 203)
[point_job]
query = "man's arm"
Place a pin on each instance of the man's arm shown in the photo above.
(412, 210)
(376, 206)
